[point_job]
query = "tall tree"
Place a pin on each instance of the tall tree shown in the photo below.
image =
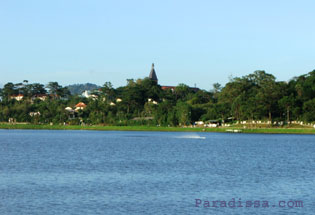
(9, 90)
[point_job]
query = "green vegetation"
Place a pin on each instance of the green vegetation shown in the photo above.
(77, 89)
(144, 104)
(167, 129)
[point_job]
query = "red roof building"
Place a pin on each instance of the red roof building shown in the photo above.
(80, 106)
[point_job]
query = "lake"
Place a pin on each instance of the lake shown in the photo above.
(121, 172)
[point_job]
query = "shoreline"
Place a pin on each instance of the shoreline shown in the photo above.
(275, 130)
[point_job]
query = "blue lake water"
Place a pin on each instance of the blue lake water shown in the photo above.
(120, 172)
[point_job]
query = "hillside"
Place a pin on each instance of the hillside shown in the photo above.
(77, 89)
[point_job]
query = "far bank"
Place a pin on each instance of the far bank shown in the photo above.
(273, 130)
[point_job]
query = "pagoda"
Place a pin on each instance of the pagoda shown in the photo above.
(152, 75)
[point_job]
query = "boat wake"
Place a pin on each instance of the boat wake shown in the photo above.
(191, 137)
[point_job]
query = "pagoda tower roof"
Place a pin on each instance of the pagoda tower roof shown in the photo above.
(152, 75)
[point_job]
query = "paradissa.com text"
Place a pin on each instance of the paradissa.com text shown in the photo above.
(233, 203)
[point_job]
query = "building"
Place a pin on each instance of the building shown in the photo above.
(80, 106)
(18, 97)
(88, 94)
(153, 77)
(172, 88)
(41, 97)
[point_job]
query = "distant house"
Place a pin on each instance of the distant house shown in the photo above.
(80, 106)
(199, 123)
(172, 88)
(42, 97)
(88, 94)
(32, 114)
(71, 112)
(18, 97)
(212, 123)
(69, 109)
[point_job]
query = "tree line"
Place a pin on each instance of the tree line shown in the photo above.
(257, 96)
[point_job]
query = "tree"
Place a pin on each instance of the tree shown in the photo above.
(309, 110)
(233, 96)
(57, 90)
(183, 113)
(286, 103)
(133, 98)
(182, 91)
(37, 89)
(53, 87)
(8, 90)
(268, 90)
(216, 90)
(63, 92)
(108, 91)
(161, 114)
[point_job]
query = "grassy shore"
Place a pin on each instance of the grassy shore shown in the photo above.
(274, 130)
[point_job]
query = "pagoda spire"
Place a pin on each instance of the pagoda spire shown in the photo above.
(152, 75)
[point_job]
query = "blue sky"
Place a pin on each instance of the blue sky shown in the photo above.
(192, 42)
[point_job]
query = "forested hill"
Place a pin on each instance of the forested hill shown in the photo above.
(254, 97)
(77, 89)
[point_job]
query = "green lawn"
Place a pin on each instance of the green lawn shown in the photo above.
(155, 128)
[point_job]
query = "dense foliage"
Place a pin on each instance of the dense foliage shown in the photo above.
(77, 89)
(257, 96)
